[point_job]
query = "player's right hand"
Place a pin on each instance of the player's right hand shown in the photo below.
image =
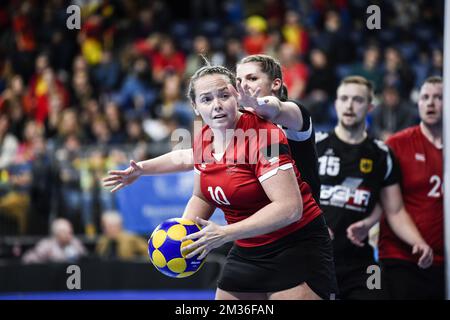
(426, 255)
(121, 178)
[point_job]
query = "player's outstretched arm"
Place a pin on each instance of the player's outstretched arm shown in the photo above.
(402, 224)
(271, 108)
(358, 231)
(174, 161)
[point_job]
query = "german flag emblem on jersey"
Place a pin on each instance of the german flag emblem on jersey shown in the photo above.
(366, 165)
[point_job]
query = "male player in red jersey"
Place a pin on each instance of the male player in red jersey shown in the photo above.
(419, 152)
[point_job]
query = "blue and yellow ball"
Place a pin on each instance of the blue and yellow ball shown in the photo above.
(164, 248)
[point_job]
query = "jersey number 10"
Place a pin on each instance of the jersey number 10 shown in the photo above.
(218, 196)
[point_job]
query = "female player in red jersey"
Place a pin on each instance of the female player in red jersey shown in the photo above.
(281, 249)
(281, 245)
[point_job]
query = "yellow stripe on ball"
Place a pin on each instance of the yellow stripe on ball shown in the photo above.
(185, 222)
(177, 265)
(158, 259)
(158, 238)
(177, 232)
(185, 274)
(184, 244)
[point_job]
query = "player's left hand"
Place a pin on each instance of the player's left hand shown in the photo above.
(357, 233)
(210, 237)
(426, 255)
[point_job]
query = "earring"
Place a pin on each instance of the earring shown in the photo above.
(196, 112)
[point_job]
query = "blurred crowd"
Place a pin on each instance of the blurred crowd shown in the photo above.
(75, 103)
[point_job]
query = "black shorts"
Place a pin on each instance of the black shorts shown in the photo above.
(404, 280)
(305, 255)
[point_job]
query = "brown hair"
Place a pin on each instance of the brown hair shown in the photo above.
(206, 70)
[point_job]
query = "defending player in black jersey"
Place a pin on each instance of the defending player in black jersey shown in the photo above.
(357, 171)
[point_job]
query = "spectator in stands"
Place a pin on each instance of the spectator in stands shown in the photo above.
(68, 187)
(397, 72)
(138, 139)
(167, 60)
(201, 46)
(320, 89)
(437, 63)
(89, 39)
(41, 63)
(275, 12)
(173, 105)
(89, 111)
(23, 34)
(295, 33)
(44, 91)
(32, 130)
(273, 43)
(335, 36)
(232, 54)
(256, 38)
(145, 24)
(101, 133)
(115, 243)
(116, 122)
(42, 193)
(295, 72)
(13, 101)
(82, 89)
(15, 203)
(135, 131)
(369, 68)
(69, 125)
(106, 74)
(61, 246)
(392, 115)
(322, 81)
(93, 168)
(137, 94)
(8, 143)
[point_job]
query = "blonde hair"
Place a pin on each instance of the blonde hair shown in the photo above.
(433, 80)
(359, 80)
